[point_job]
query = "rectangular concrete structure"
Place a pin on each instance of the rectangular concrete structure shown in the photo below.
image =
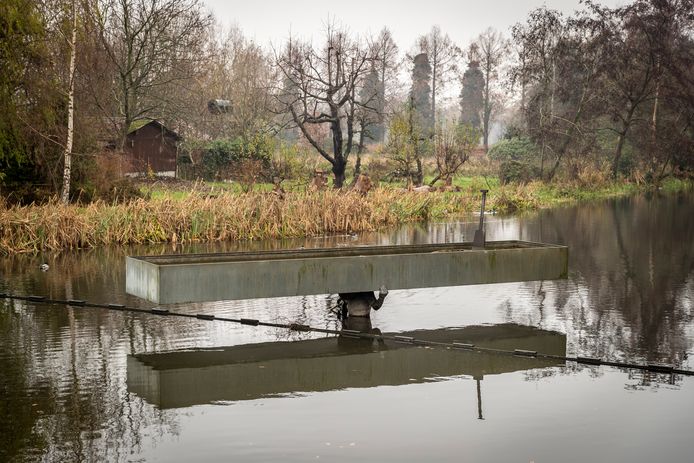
(169, 279)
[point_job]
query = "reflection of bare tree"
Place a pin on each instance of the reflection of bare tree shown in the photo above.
(632, 261)
(63, 381)
(62, 387)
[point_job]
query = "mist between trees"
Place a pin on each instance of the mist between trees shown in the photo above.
(603, 93)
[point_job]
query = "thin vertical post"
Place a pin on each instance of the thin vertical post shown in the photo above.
(480, 239)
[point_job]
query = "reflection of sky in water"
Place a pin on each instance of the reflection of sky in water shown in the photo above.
(630, 294)
(563, 417)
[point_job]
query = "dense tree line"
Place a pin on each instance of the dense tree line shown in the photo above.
(605, 87)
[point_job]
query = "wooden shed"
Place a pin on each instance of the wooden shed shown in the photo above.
(150, 145)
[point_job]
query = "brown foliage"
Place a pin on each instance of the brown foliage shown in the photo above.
(363, 185)
(320, 181)
(228, 216)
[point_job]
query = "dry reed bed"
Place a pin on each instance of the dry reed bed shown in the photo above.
(54, 226)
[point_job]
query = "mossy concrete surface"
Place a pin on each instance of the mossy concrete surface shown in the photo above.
(232, 276)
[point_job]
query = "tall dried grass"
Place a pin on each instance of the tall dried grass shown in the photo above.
(228, 216)
(517, 197)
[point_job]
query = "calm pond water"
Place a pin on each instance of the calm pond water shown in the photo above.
(83, 384)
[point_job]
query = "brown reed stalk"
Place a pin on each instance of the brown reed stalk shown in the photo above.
(228, 216)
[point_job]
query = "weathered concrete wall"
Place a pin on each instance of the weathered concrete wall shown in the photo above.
(199, 278)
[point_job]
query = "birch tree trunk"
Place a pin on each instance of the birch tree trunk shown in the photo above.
(67, 169)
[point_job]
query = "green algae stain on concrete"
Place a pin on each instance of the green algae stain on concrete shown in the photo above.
(356, 269)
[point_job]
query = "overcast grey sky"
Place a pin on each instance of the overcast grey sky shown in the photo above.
(269, 21)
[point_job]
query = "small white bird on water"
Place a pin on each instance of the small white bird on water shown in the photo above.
(44, 267)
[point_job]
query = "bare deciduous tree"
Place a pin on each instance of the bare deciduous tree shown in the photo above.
(404, 145)
(387, 64)
(443, 56)
(536, 72)
(370, 120)
(492, 49)
(629, 38)
(321, 87)
(453, 143)
(154, 45)
(240, 71)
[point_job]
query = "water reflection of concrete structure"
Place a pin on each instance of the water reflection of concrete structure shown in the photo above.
(252, 371)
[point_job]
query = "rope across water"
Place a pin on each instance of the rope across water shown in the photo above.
(656, 368)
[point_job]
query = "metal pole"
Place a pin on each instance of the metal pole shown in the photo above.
(480, 239)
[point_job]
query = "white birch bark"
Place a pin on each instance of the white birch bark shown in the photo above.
(67, 169)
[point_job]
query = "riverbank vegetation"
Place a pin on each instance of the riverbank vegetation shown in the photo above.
(216, 213)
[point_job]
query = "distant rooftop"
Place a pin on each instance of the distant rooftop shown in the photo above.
(139, 123)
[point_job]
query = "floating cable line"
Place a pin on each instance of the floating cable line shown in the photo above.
(652, 367)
